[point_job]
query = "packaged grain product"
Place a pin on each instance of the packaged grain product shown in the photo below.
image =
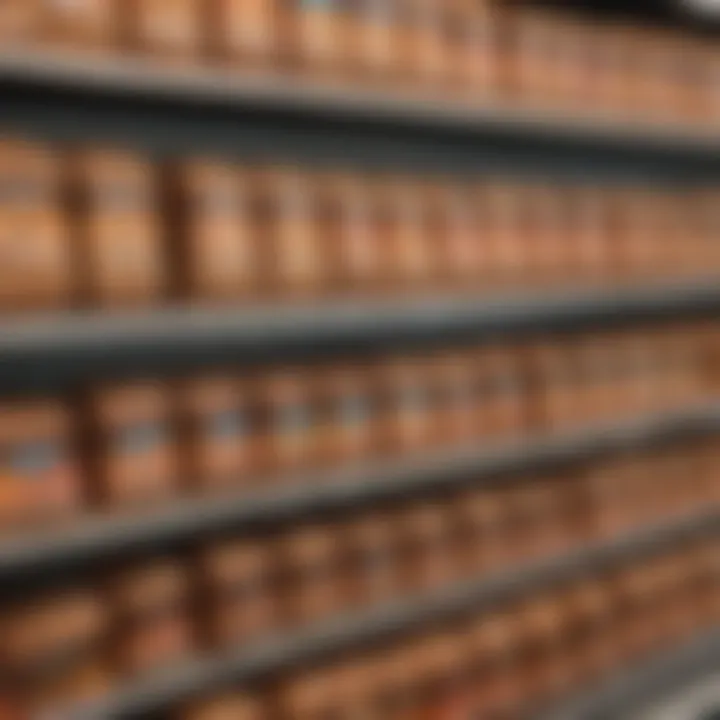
(81, 24)
(52, 652)
(234, 706)
(19, 21)
(286, 209)
(219, 442)
(41, 478)
(151, 616)
(120, 238)
(131, 445)
(347, 221)
(35, 251)
(347, 431)
(245, 33)
(288, 401)
(370, 559)
(310, 560)
(405, 409)
(167, 29)
(237, 588)
(211, 219)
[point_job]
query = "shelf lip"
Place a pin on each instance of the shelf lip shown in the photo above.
(82, 344)
(32, 560)
(347, 633)
(216, 85)
(626, 691)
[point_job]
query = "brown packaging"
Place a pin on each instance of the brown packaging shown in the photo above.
(370, 560)
(424, 546)
(355, 254)
(151, 616)
(50, 654)
(121, 245)
(454, 384)
(289, 409)
(237, 585)
(347, 431)
(405, 405)
(321, 36)
(41, 479)
(131, 446)
(219, 444)
(211, 218)
(35, 254)
(19, 21)
(502, 393)
(310, 558)
(286, 216)
(81, 24)
(245, 32)
(227, 707)
(168, 28)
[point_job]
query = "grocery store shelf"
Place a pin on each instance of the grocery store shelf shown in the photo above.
(181, 107)
(90, 346)
(626, 696)
(46, 558)
(150, 695)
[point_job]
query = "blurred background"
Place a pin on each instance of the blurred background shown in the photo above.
(358, 360)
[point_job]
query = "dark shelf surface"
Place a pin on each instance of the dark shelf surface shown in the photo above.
(44, 559)
(210, 109)
(82, 346)
(149, 696)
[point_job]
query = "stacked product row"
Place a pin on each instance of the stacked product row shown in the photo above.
(229, 592)
(507, 661)
(492, 51)
(149, 442)
(105, 228)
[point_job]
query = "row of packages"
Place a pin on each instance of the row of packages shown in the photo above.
(148, 442)
(485, 50)
(95, 228)
(73, 646)
(504, 663)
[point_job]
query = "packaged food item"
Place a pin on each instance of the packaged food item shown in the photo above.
(424, 547)
(323, 35)
(455, 226)
(480, 531)
(286, 204)
(471, 38)
(235, 706)
(245, 32)
(374, 41)
(151, 616)
(121, 243)
(347, 432)
(310, 557)
(422, 51)
(35, 253)
(409, 248)
(406, 412)
(542, 672)
(41, 478)
(494, 651)
(212, 219)
(131, 446)
(370, 560)
(588, 211)
(454, 385)
(171, 29)
(19, 21)
(355, 254)
(81, 24)
(220, 445)
(51, 655)
(502, 392)
(291, 424)
(310, 694)
(237, 585)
